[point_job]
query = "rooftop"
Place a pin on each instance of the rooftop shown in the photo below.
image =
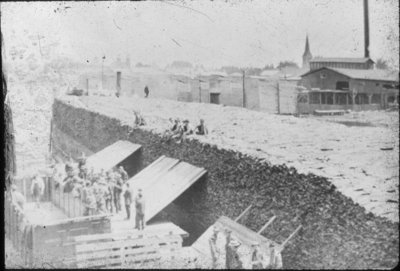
(341, 59)
(378, 75)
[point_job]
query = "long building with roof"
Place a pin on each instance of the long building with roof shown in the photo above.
(341, 89)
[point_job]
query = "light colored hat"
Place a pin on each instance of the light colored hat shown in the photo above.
(234, 243)
(255, 243)
(13, 187)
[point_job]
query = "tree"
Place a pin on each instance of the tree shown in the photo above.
(285, 64)
(381, 64)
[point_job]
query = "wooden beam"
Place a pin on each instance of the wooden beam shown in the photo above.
(290, 237)
(243, 213)
(266, 225)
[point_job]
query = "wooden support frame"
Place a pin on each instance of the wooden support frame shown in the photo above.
(290, 237)
(243, 213)
(267, 224)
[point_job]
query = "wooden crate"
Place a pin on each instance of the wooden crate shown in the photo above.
(134, 249)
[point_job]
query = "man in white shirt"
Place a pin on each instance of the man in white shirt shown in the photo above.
(37, 189)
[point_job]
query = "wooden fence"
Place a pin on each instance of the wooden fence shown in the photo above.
(55, 243)
(51, 243)
(17, 230)
(127, 250)
(68, 202)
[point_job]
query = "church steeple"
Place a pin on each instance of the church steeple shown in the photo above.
(307, 55)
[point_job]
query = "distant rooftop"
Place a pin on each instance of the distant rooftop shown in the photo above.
(341, 59)
(379, 75)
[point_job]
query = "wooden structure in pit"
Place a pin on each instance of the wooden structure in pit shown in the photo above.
(241, 233)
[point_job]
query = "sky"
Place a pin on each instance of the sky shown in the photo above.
(212, 33)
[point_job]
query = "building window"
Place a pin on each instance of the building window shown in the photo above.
(376, 99)
(377, 84)
(314, 97)
(340, 98)
(342, 85)
(323, 98)
(362, 98)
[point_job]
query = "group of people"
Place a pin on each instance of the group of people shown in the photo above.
(102, 192)
(232, 258)
(181, 129)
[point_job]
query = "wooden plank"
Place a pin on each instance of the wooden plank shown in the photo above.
(118, 261)
(126, 243)
(266, 225)
(282, 246)
(243, 213)
(110, 253)
(161, 229)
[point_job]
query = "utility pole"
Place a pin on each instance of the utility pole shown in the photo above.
(40, 47)
(102, 72)
(244, 91)
(278, 97)
(366, 29)
(199, 90)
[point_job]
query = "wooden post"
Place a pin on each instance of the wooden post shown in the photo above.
(266, 225)
(278, 97)
(243, 213)
(244, 91)
(199, 90)
(290, 237)
(24, 187)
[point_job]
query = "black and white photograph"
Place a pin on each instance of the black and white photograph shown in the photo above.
(200, 134)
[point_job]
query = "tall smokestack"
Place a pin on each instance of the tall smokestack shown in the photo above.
(366, 29)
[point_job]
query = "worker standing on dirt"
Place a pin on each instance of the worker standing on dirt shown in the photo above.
(235, 262)
(128, 201)
(227, 250)
(257, 258)
(275, 261)
(37, 189)
(213, 247)
(140, 209)
(146, 92)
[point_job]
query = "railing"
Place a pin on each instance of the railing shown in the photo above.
(17, 230)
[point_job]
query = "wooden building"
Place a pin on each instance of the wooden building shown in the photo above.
(364, 63)
(341, 89)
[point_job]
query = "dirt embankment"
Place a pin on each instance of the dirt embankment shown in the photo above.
(337, 233)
